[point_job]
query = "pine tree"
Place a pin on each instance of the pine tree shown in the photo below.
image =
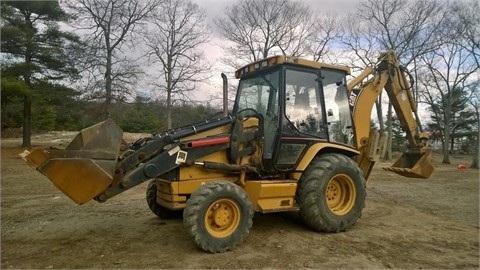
(451, 110)
(36, 53)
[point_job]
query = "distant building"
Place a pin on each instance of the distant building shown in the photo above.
(143, 96)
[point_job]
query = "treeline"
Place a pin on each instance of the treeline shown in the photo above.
(60, 112)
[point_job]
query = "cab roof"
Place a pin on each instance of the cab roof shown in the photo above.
(282, 59)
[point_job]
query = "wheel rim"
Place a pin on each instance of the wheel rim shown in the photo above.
(340, 194)
(222, 218)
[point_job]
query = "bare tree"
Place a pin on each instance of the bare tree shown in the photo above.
(446, 69)
(325, 31)
(407, 27)
(175, 38)
(109, 25)
(467, 14)
(467, 24)
(256, 29)
(453, 66)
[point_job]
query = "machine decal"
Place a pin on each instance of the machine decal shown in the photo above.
(353, 97)
(181, 157)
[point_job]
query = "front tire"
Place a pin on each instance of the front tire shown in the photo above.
(218, 216)
(331, 193)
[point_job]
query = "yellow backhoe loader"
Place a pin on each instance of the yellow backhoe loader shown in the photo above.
(298, 139)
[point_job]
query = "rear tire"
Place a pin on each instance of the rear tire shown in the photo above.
(331, 193)
(157, 209)
(218, 216)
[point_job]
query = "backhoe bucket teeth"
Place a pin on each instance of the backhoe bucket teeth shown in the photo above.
(413, 165)
(85, 168)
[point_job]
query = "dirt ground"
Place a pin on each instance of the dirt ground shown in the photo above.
(407, 223)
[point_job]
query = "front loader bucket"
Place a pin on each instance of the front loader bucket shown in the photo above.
(85, 168)
(417, 165)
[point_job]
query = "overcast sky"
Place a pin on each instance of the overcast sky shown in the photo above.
(216, 8)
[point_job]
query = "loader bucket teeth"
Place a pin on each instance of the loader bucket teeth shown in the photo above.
(413, 165)
(85, 168)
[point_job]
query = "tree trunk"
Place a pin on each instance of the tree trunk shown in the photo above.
(475, 161)
(108, 85)
(445, 144)
(169, 110)
(169, 70)
(452, 144)
(27, 120)
(27, 102)
(447, 130)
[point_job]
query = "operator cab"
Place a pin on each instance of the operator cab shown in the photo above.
(298, 103)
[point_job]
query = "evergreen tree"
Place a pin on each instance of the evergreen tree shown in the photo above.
(36, 55)
(454, 111)
(140, 117)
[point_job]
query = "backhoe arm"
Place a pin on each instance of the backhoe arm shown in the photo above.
(389, 75)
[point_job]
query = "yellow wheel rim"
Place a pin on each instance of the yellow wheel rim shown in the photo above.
(340, 194)
(222, 218)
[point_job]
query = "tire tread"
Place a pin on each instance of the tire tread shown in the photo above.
(309, 190)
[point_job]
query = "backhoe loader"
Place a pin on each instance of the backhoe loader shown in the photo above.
(298, 139)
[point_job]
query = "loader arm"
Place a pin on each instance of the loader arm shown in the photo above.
(364, 90)
(98, 165)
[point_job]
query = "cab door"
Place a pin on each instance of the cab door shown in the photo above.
(303, 122)
(258, 95)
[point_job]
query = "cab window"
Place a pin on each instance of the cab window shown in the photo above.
(337, 108)
(303, 106)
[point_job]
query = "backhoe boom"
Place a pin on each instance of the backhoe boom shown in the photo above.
(389, 75)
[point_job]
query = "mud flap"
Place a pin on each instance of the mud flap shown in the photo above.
(418, 165)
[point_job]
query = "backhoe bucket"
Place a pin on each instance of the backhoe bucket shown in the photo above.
(413, 165)
(85, 168)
